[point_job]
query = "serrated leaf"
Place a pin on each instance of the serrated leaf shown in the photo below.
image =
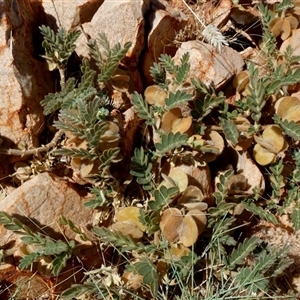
(230, 130)
(243, 250)
(144, 111)
(150, 275)
(167, 62)
(177, 99)
(76, 290)
(108, 156)
(74, 152)
(183, 69)
(292, 129)
(26, 261)
(170, 141)
(257, 210)
(60, 262)
(296, 218)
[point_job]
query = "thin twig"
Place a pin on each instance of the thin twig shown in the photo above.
(17, 152)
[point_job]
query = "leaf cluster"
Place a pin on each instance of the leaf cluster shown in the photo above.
(58, 47)
(107, 58)
(44, 245)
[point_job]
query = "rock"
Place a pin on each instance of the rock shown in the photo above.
(208, 65)
(70, 14)
(164, 22)
(122, 21)
(24, 77)
(40, 202)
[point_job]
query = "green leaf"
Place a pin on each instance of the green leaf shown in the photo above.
(243, 250)
(144, 111)
(157, 73)
(251, 280)
(26, 261)
(150, 275)
(74, 152)
(170, 141)
(257, 210)
(108, 156)
(167, 62)
(98, 200)
(230, 130)
(60, 262)
(109, 60)
(183, 69)
(77, 290)
(141, 167)
(292, 129)
(296, 218)
(177, 99)
(123, 243)
(53, 102)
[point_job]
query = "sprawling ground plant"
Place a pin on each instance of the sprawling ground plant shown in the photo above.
(175, 234)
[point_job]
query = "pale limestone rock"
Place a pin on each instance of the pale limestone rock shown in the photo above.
(208, 65)
(122, 21)
(70, 14)
(40, 202)
(164, 22)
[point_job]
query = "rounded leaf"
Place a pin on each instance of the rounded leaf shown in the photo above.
(169, 118)
(285, 29)
(293, 115)
(286, 104)
(128, 228)
(155, 95)
(263, 156)
(275, 26)
(188, 233)
(190, 195)
(180, 178)
(241, 80)
(200, 219)
(273, 133)
(170, 223)
(130, 213)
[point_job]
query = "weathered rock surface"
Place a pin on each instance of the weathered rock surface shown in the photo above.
(70, 14)
(24, 78)
(164, 22)
(39, 203)
(122, 21)
(208, 65)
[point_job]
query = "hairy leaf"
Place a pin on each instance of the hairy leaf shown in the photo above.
(242, 251)
(296, 218)
(124, 243)
(142, 108)
(177, 99)
(158, 74)
(108, 156)
(230, 130)
(141, 168)
(170, 141)
(29, 259)
(77, 290)
(167, 62)
(183, 69)
(149, 272)
(292, 129)
(257, 210)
